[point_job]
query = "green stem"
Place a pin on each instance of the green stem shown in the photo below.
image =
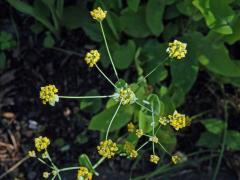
(143, 106)
(153, 126)
(43, 162)
(143, 145)
(154, 69)
(109, 54)
(105, 76)
(84, 97)
(164, 149)
(68, 169)
(110, 124)
(98, 163)
(223, 143)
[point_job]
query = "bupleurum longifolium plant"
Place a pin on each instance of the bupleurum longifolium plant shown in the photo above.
(123, 95)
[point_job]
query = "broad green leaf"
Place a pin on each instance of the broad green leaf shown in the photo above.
(134, 23)
(233, 140)
(124, 55)
(235, 36)
(209, 140)
(154, 13)
(214, 126)
(120, 83)
(158, 105)
(144, 121)
(133, 4)
(85, 161)
(101, 121)
(167, 138)
(217, 13)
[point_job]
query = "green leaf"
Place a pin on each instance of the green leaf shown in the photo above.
(101, 121)
(154, 13)
(214, 126)
(209, 140)
(85, 161)
(121, 83)
(157, 104)
(124, 55)
(48, 41)
(133, 4)
(217, 13)
(134, 23)
(144, 121)
(167, 138)
(233, 140)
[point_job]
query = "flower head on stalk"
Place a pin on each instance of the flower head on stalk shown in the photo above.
(130, 149)
(98, 14)
(92, 58)
(48, 94)
(179, 121)
(126, 95)
(178, 157)
(46, 175)
(32, 153)
(84, 173)
(41, 143)
(107, 148)
(154, 158)
(177, 49)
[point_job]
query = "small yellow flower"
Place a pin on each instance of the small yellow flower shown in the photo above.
(130, 149)
(154, 159)
(163, 121)
(178, 157)
(107, 148)
(131, 127)
(178, 121)
(126, 95)
(32, 153)
(153, 139)
(46, 175)
(133, 154)
(45, 155)
(139, 133)
(98, 14)
(92, 58)
(84, 173)
(48, 94)
(41, 143)
(177, 49)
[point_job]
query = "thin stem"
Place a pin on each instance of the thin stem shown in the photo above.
(68, 169)
(164, 149)
(43, 162)
(223, 143)
(154, 69)
(109, 54)
(153, 125)
(59, 177)
(143, 106)
(143, 145)
(157, 129)
(84, 97)
(105, 76)
(49, 158)
(66, 51)
(98, 163)
(110, 124)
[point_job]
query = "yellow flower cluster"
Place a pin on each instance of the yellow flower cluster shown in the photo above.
(153, 139)
(163, 121)
(92, 58)
(84, 173)
(107, 148)
(126, 95)
(131, 127)
(48, 94)
(46, 175)
(139, 133)
(177, 49)
(178, 158)
(32, 153)
(178, 121)
(154, 159)
(41, 143)
(130, 149)
(98, 14)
